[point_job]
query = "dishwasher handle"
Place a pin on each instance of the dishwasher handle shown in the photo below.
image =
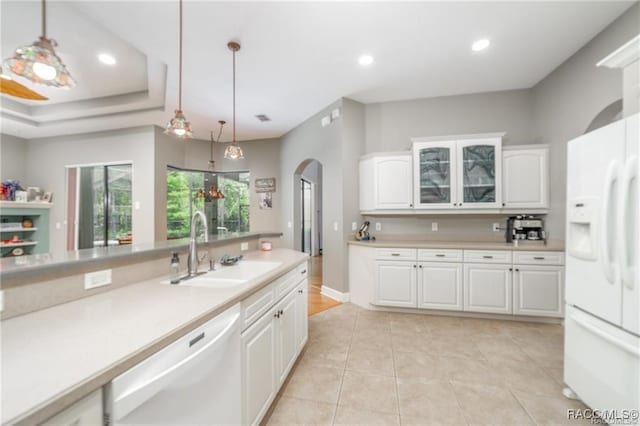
(132, 399)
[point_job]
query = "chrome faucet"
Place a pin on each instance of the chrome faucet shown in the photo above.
(193, 261)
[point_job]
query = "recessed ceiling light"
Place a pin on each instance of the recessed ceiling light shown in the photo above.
(481, 44)
(107, 59)
(365, 60)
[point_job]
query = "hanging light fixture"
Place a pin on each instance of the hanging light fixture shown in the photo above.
(233, 150)
(39, 63)
(212, 163)
(178, 125)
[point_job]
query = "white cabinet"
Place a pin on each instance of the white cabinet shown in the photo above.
(259, 367)
(272, 344)
(525, 172)
(440, 285)
(488, 288)
(386, 182)
(396, 283)
(86, 412)
(287, 345)
(458, 174)
(538, 290)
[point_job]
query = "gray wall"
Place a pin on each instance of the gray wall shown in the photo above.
(313, 174)
(262, 159)
(568, 99)
(48, 157)
(13, 159)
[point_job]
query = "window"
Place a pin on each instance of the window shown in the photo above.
(191, 190)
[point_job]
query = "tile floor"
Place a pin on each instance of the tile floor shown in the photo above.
(373, 368)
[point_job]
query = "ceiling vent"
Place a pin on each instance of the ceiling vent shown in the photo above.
(263, 117)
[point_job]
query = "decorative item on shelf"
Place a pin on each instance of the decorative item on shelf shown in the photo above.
(16, 251)
(178, 125)
(363, 232)
(10, 87)
(33, 193)
(10, 188)
(127, 239)
(266, 246)
(233, 151)
(39, 63)
(27, 223)
(212, 163)
(47, 197)
(21, 197)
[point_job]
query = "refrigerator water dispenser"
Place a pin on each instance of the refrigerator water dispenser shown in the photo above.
(582, 230)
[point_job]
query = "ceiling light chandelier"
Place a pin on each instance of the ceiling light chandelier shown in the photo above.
(233, 151)
(178, 125)
(39, 63)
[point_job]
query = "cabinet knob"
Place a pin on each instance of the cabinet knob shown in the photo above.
(517, 270)
(300, 291)
(414, 266)
(281, 312)
(410, 205)
(510, 269)
(420, 266)
(276, 315)
(504, 204)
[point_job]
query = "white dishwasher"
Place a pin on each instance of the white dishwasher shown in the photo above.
(194, 381)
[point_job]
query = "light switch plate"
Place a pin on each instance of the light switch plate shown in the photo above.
(136, 205)
(244, 246)
(335, 226)
(354, 226)
(326, 120)
(288, 224)
(97, 279)
(378, 226)
(335, 114)
(434, 226)
(496, 227)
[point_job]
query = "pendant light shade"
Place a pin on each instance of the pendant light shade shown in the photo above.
(233, 151)
(39, 63)
(179, 126)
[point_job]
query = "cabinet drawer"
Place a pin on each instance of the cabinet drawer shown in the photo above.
(538, 258)
(302, 272)
(436, 255)
(257, 304)
(487, 256)
(286, 283)
(396, 254)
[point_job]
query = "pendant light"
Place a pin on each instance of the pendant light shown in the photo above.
(212, 163)
(233, 151)
(39, 62)
(178, 125)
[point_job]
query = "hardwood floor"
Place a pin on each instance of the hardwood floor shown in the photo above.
(317, 301)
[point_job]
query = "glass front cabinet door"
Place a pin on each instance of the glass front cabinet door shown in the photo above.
(434, 175)
(479, 173)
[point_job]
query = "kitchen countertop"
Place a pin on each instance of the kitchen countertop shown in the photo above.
(53, 357)
(552, 245)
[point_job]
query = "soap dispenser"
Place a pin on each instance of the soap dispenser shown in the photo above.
(175, 268)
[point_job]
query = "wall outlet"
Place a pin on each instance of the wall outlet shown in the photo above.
(97, 279)
(289, 225)
(335, 114)
(378, 226)
(434, 226)
(136, 205)
(58, 226)
(326, 120)
(244, 246)
(496, 227)
(335, 226)
(354, 226)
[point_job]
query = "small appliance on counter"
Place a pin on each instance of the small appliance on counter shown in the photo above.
(525, 227)
(363, 232)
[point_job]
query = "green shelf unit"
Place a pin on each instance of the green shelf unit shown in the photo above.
(38, 235)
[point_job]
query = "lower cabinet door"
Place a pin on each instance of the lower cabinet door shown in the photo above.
(440, 286)
(259, 368)
(487, 288)
(302, 308)
(86, 412)
(538, 290)
(396, 284)
(287, 345)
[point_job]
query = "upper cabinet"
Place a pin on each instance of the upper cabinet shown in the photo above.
(458, 174)
(525, 177)
(386, 182)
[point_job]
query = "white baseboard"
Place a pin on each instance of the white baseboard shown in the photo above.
(334, 294)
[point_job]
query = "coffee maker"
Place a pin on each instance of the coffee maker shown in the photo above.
(525, 227)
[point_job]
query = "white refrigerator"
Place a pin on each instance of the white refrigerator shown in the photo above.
(602, 324)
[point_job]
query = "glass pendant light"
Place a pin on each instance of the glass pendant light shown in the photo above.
(212, 163)
(39, 62)
(233, 151)
(178, 125)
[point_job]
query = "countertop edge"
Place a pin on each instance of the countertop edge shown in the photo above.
(59, 402)
(459, 245)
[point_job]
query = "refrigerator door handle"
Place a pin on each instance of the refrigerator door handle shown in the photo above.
(607, 262)
(633, 350)
(625, 261)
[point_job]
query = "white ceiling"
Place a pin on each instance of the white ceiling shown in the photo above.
(296, 57)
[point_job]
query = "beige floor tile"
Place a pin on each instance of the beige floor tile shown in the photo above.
(370, 361)
(552, 411)
(412, 342)
(547, 356)
(351, 416)
(556, 374)
(498, 347)
(489, 405)
(314, 383)
(449, 418)
(527, 378)
(469, 370)
(367, 392)
(431, 400)
(293, 411)
(375, 342)
(324, 354)
(454, 346)
(413, 323)
(419, 365)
